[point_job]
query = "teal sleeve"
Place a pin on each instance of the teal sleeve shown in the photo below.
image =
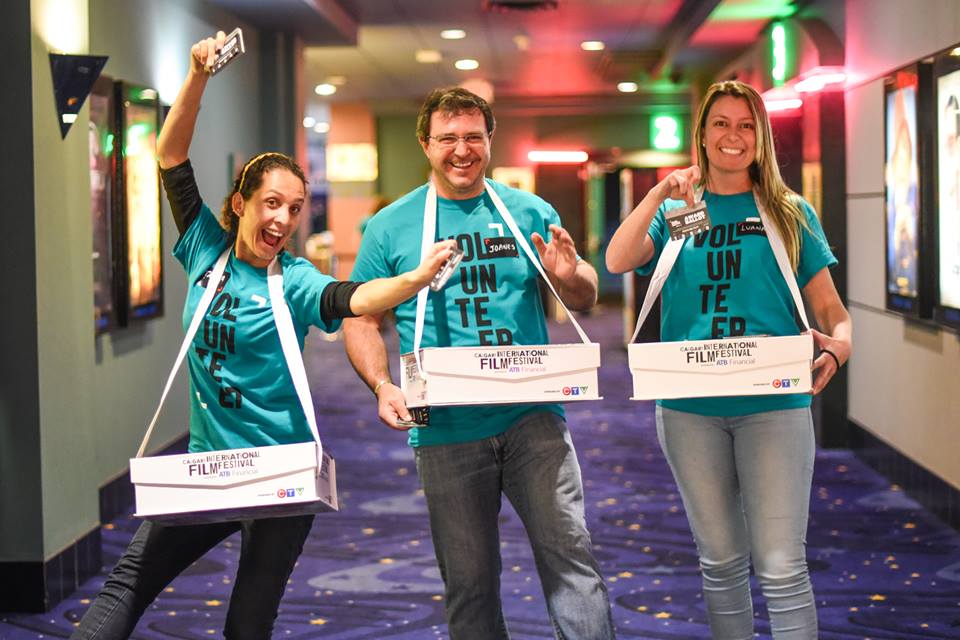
(303, 285)
(200, 245)
(371, 260)
(815, 253)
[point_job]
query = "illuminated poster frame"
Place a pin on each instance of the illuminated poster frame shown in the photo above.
(138, 250)
(101, 138)
(946, 84)
(906, 231)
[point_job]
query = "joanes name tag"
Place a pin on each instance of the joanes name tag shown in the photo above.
(688, 221)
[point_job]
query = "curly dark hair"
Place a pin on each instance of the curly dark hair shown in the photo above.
(249, 180)
(452, 100)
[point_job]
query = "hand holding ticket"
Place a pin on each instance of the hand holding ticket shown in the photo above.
(232, 48)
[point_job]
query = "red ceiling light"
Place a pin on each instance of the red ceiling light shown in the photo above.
(557, 157)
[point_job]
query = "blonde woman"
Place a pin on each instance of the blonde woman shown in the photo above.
(743, 464)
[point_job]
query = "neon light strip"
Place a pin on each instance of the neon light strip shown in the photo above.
(568, 157)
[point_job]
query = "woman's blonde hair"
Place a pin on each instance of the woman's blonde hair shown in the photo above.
(782, 204)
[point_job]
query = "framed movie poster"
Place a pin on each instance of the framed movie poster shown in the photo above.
(904, 146)
(138, 185)
(947, 104)
(101, 136)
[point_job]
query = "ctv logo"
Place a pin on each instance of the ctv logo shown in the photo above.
(288, 493)
(785, 383)
(575, 391)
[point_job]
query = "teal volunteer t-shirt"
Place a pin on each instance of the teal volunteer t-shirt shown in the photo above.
(726, 282)
(491, 299)
(241, 392)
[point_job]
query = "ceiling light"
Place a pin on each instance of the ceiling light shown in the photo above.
(955, 52)
(453, 34)
(522, 41)
(467, 64)
(322, 127)
(309, 121)
(785, 104)
(628, 87)
(325, 89)
(558, 157)
(592, 45)
(337, 81)
(428, 56)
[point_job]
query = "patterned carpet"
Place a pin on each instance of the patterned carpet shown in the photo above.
(882, 567)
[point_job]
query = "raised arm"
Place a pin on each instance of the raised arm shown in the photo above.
(631, 247)
(173, 145)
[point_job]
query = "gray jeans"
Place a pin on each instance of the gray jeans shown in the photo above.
(745, 483)
(535, 465)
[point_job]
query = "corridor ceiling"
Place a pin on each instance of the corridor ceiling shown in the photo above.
(528, 50)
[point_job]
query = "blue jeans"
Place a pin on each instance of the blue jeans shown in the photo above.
(158, 553)
(534, 464)
(745, 483)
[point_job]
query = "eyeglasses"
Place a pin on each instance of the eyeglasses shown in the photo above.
(449, 140)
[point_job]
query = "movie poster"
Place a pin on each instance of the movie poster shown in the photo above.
(142, 193)
(902, 194)
(948, 161)
(101, 139)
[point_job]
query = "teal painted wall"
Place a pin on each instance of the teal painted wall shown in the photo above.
(96, 395)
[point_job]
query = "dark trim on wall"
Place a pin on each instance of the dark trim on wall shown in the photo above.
(923, 486)
(37, 587)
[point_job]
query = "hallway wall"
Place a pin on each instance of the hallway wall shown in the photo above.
(96, 395)
(904, 386)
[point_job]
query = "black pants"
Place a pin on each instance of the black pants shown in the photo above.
(158, 553)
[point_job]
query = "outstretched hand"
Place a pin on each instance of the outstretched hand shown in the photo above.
(824, 366)
(424, 273)
(559, 256)
(204, 53)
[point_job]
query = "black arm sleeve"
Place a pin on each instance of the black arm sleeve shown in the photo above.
(335, 300)
(182, 194)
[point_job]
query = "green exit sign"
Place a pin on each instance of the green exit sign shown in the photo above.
(665, 132)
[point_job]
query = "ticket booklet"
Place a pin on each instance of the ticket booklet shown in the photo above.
(501, 375)
(742, 366)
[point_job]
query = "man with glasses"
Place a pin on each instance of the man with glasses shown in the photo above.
(468, 456)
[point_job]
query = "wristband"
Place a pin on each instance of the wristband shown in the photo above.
(832, 355)
(376, 389)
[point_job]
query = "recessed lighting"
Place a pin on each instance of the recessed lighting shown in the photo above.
(325, 89)
(521, 41)
(467, 64)
(628, 87)
(955, 52)
(337, 81)
(592, 45)
(309, 121)
(322, 127)
(428, 56)
(453, 34)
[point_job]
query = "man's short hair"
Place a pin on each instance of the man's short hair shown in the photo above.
(452, 100)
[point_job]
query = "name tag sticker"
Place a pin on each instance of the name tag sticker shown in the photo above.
(750, 227)
(688, 221)
(500, 247)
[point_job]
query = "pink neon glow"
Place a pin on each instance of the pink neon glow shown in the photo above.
(783, 105)
(558, 157)
(819, 82)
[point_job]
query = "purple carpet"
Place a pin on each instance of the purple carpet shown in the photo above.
(882, 567)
